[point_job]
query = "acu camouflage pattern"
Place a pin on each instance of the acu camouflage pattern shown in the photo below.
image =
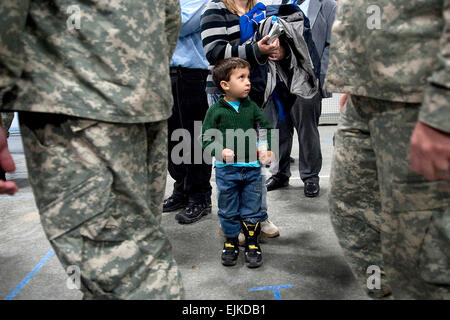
(406, 60)
(99, 179)
(382, 212)
(6, 121)
(114, 68)
(99, 189)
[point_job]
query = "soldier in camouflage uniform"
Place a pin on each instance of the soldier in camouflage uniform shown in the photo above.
(91, 84)
(393, 132)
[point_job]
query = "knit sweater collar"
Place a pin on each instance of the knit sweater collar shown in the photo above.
(244, 102)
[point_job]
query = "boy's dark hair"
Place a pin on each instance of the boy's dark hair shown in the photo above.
(223, 68)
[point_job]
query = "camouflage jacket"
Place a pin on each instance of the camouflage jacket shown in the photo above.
(102, 60)
(396, 50)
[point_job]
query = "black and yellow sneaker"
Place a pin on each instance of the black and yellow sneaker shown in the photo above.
(253, 253)
(230, 252)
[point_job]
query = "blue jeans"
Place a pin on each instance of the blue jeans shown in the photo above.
(241, 197)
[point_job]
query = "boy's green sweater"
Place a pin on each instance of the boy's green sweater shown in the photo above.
(222, 116)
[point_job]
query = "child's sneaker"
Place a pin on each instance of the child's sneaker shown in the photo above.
(253, 253)
(230, 252)
(241, 236)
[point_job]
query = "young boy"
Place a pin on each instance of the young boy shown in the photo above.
(227, 132)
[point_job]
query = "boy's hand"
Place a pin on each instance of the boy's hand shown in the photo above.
(343, 101)
(228, 155)
(265, 157)
(7, 163)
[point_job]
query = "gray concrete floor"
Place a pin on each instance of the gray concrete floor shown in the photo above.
(305, 262)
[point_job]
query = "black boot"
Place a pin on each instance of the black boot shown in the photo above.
(193, 212)
(230, 252)
(174, 203)
(253, 254)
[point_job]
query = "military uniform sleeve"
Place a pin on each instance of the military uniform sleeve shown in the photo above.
(435, 110)
(13, 14)
(172, 24)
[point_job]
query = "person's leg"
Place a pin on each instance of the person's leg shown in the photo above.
(268, 228)
(177, 171)
(283, 101)
(286, 133)
(354, 198)
(99, 188)
(281, 177)
(193, 105)
(253, 212)
(305, 115)
(415, 228)
(193, 108)
(228, 185)
(228, 180)
(252, 203)
(271, 114)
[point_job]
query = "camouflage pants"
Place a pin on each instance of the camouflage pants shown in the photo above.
(384, 214)
(7, 119)
(99, 189)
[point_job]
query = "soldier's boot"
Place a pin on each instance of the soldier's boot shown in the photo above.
(253, 253)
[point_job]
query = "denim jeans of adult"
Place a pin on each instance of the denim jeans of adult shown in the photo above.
(241, 197)
(190, 105)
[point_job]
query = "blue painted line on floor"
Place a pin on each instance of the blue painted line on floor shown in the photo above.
(275, 289)
(29, 276)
